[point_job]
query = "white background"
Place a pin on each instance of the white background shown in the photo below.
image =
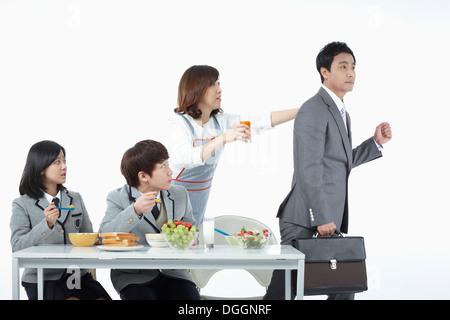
(98, 76)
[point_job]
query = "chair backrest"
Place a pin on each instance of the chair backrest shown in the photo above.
(233, 224)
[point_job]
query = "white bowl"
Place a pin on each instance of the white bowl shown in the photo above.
(156, 240)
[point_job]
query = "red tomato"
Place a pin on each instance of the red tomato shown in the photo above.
(187, 225)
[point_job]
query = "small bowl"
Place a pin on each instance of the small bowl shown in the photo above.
(176, 240)
(156, 240)
(83, 239)
(248, 241)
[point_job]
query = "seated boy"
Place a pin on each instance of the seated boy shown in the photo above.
(132, 209)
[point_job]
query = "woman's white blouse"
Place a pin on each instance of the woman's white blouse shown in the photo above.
(182, 153)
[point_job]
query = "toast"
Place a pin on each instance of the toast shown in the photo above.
(122, 235)
(121, 244)
(119, 239)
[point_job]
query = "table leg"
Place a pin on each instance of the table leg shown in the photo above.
(287, 285)
(300, 279)
(15, 279)
(40, 283)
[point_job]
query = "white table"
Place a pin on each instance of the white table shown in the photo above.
(220, 257)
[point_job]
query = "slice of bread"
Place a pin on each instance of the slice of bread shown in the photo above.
(119, 239)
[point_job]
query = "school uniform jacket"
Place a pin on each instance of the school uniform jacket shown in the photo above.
(29, 227)
(121, 217)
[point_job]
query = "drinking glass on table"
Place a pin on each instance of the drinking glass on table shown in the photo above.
(245, 119)
(208, 232)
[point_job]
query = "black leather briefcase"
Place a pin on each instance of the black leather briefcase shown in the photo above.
(333, 264)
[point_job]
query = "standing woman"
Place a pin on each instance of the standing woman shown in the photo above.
(36, 220)
(199, 131)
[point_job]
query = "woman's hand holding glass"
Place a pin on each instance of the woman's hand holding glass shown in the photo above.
(239, 132)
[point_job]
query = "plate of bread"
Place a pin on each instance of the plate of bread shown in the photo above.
(119, 241)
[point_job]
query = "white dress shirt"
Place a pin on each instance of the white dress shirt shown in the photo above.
(339, 103)
(50, 198)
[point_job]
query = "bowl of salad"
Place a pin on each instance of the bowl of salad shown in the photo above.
(250, 239)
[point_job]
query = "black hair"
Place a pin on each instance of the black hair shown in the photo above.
(326, 55)
(143, 156)
(40, 157)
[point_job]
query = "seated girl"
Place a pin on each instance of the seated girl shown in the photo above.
(36, 220)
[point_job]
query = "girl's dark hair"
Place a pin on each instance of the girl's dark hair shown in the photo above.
(40, 157)
(144, 156)
(193, 85)
(326, 55)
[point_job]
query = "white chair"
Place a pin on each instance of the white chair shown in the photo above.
(232, 224)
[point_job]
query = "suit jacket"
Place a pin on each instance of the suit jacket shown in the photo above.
(29, 227)
(121, 217)
(323, 159)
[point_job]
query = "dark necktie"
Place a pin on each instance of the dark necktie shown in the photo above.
(155, 212)
(55, 201)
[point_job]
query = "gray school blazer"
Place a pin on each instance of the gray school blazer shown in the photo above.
(29, 228)
(323, 159)
(120, 217)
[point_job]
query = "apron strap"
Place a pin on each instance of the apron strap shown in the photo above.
(189, 124)
(216, 124)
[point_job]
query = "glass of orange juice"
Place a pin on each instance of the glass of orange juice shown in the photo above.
(245, 119)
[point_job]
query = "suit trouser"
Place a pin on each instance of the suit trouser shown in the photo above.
(276, 290)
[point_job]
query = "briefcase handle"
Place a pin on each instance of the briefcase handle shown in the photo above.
(336, 233)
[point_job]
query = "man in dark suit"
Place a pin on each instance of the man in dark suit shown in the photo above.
(323, 158)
